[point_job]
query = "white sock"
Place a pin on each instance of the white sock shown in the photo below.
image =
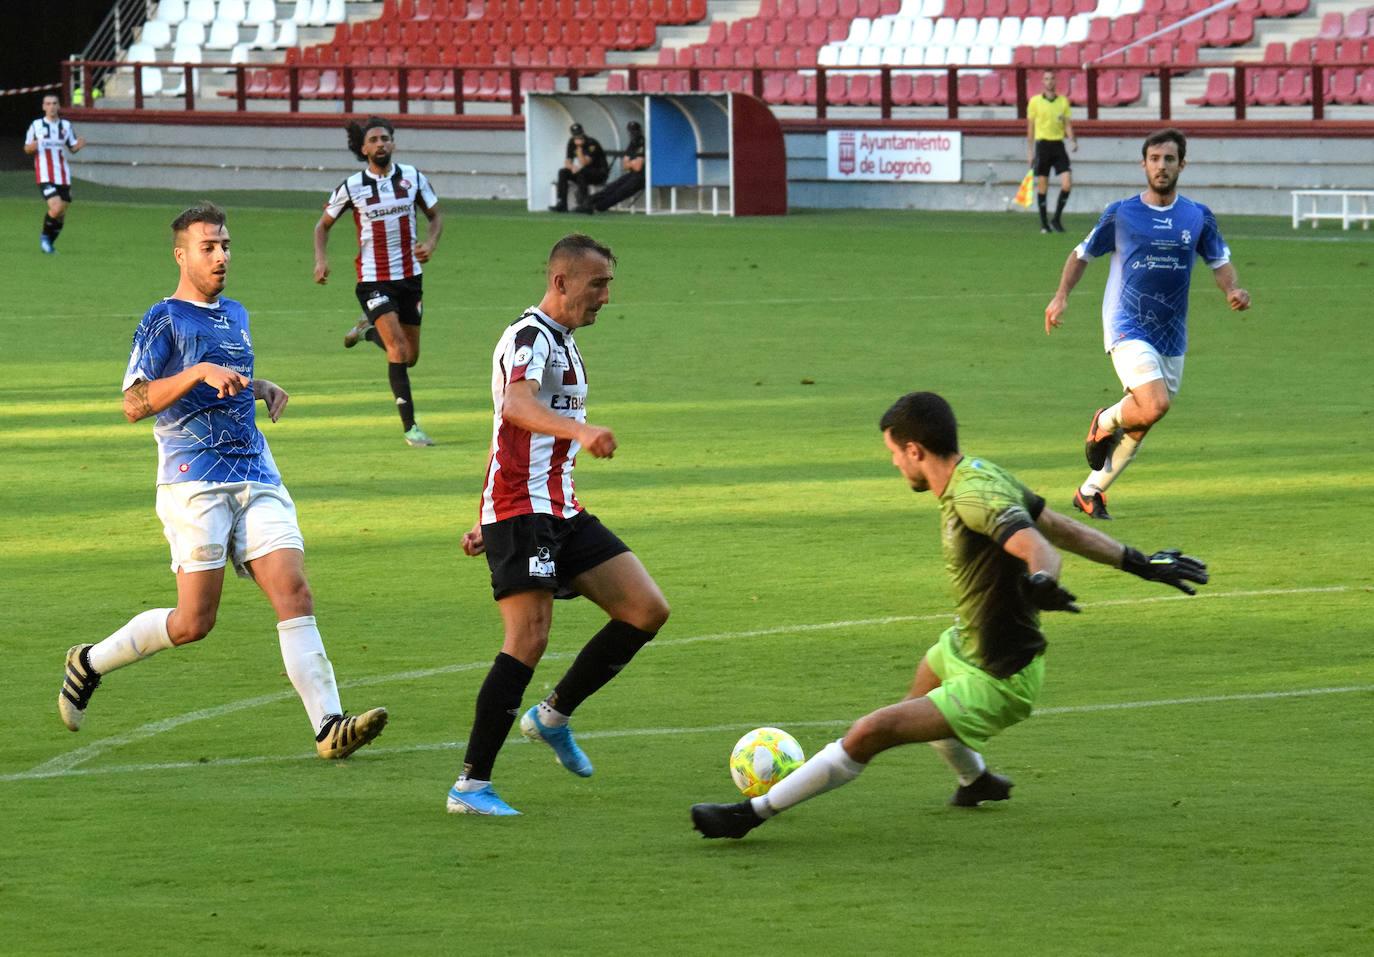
(828, 769)
(1110, 419)
(1121, 456)
(311, 674)
(966, 763)
(465, 785)
(550, 718)
(142, 636)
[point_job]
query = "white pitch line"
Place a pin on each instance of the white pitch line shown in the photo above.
(647, 732)
(65, 763)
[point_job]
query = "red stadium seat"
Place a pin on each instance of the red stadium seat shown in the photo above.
(1324, 50)
(1099, 30)
(1276, 52)
(1130, 89)
(1366, 92)
(1295, 87)
(772, 88)
(1342, 86)
(1218, 92)
(1018, 8)
(1264, 87)
(1357, 24)
(1293, 8)
(1332, 26)
(968, 88)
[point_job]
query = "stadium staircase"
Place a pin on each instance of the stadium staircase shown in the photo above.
(721, 42)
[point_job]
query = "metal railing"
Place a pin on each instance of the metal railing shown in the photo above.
(348, 84)
(111, 39)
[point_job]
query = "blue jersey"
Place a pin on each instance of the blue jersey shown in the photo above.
(1152, 249)
(201, 437)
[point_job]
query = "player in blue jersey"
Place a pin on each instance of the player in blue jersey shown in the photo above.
(1153, 239)
(219, 494)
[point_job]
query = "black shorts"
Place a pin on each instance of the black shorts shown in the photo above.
(1050, 154)
(49, 190)
(540, 552)
(401, 296)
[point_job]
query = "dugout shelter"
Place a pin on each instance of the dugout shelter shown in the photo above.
(718, 153)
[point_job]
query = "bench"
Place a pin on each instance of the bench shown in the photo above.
(1323, 205)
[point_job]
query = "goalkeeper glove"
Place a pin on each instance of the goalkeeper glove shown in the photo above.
(1169, 566)
(1047, 594)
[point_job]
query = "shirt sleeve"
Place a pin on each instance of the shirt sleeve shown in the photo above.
(32, 135)
(71, 135)
(1210, 246)
(428, 198)
(999, 517)
(152, 347)
(529, 355)
(1102, 240)
(338, 201)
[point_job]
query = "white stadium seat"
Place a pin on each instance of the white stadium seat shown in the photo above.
(828, 55)
(870, 56)
(910, 9)
(921, 31)
(987, 31)
(1053, 34)
(187, 53)
(201, 11)
(301, 16)
(1000, 55)
(900, 35)
(240, 53)
(319, 9)
(334, 12)
(1009, 32)
(171, 11)
(1031, 30)
(1129, 7)
(1106, 8)
(913, 56)
(1077, 30)
(849, 55)
(956, 56)
(140, 53)
(287, 36)
(879, 32)
(232, 10)
(936, 55)
(264, 40)
(190, 33)
(259, 12)
(858, 31)
(965, 29)
(224, 35)
(944, 31)
(892, 55)
(931, 9)
(156, 33)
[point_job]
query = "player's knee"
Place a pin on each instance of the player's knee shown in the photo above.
(1154, 408)
(186, 627)
(654, 614)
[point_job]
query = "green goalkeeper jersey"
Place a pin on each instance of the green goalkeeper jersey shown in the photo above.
(983, 506)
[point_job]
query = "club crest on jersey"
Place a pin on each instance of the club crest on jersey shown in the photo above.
(1187, 237)
(541, 564)
(403, 183)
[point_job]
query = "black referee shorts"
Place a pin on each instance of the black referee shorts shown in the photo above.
(1050, 154)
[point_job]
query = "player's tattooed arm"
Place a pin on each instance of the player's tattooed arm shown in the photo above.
(136, 404)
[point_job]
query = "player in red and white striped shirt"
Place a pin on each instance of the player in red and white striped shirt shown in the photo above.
(48, 140)
(539, 542)
(384, 198)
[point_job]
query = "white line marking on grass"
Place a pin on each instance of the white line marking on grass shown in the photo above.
(41, 772)
(65, 763)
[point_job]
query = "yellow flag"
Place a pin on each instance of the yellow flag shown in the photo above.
(1026, 193)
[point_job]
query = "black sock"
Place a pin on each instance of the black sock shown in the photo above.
(600, 660)
(1059, 207)
(1040, 200)
(374, 337)
(400, 388)
(51, 228)
(498, 702)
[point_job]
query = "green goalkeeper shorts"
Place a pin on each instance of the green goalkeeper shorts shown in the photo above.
(977, 705)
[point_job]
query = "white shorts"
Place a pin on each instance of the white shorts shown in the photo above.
(1137, 362)
(209, 523)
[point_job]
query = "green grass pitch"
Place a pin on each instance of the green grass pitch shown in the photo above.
(1197, 780)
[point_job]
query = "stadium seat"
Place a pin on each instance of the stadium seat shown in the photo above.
(1009, 31)
(1076, 30)
(1366, 92)
(1342, 86)
(235, 11)
(301, 15)
(979, 56)
(1032, 28)
(156, 33)
(858, 31)
(171, 11)
(1332, 26)
(879, 31)
(965, 30)
(257, 12)
(922, 31)
(224, 35)
(1217, 93)
(943, 32)
(986, 34)
(200, 11)
(1264, 87)
(287, 37)
(1357, 25)
(1295, 87)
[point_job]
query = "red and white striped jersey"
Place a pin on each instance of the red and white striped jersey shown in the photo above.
(53, 139)
(528, 472)
(384, 210)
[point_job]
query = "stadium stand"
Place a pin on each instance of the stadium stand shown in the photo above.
(854, 39)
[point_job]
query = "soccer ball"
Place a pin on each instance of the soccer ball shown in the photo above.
(762, 758)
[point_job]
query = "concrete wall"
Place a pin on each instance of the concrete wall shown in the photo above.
(1232, 175)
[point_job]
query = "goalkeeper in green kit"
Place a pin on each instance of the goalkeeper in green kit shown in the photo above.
(984, 674)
